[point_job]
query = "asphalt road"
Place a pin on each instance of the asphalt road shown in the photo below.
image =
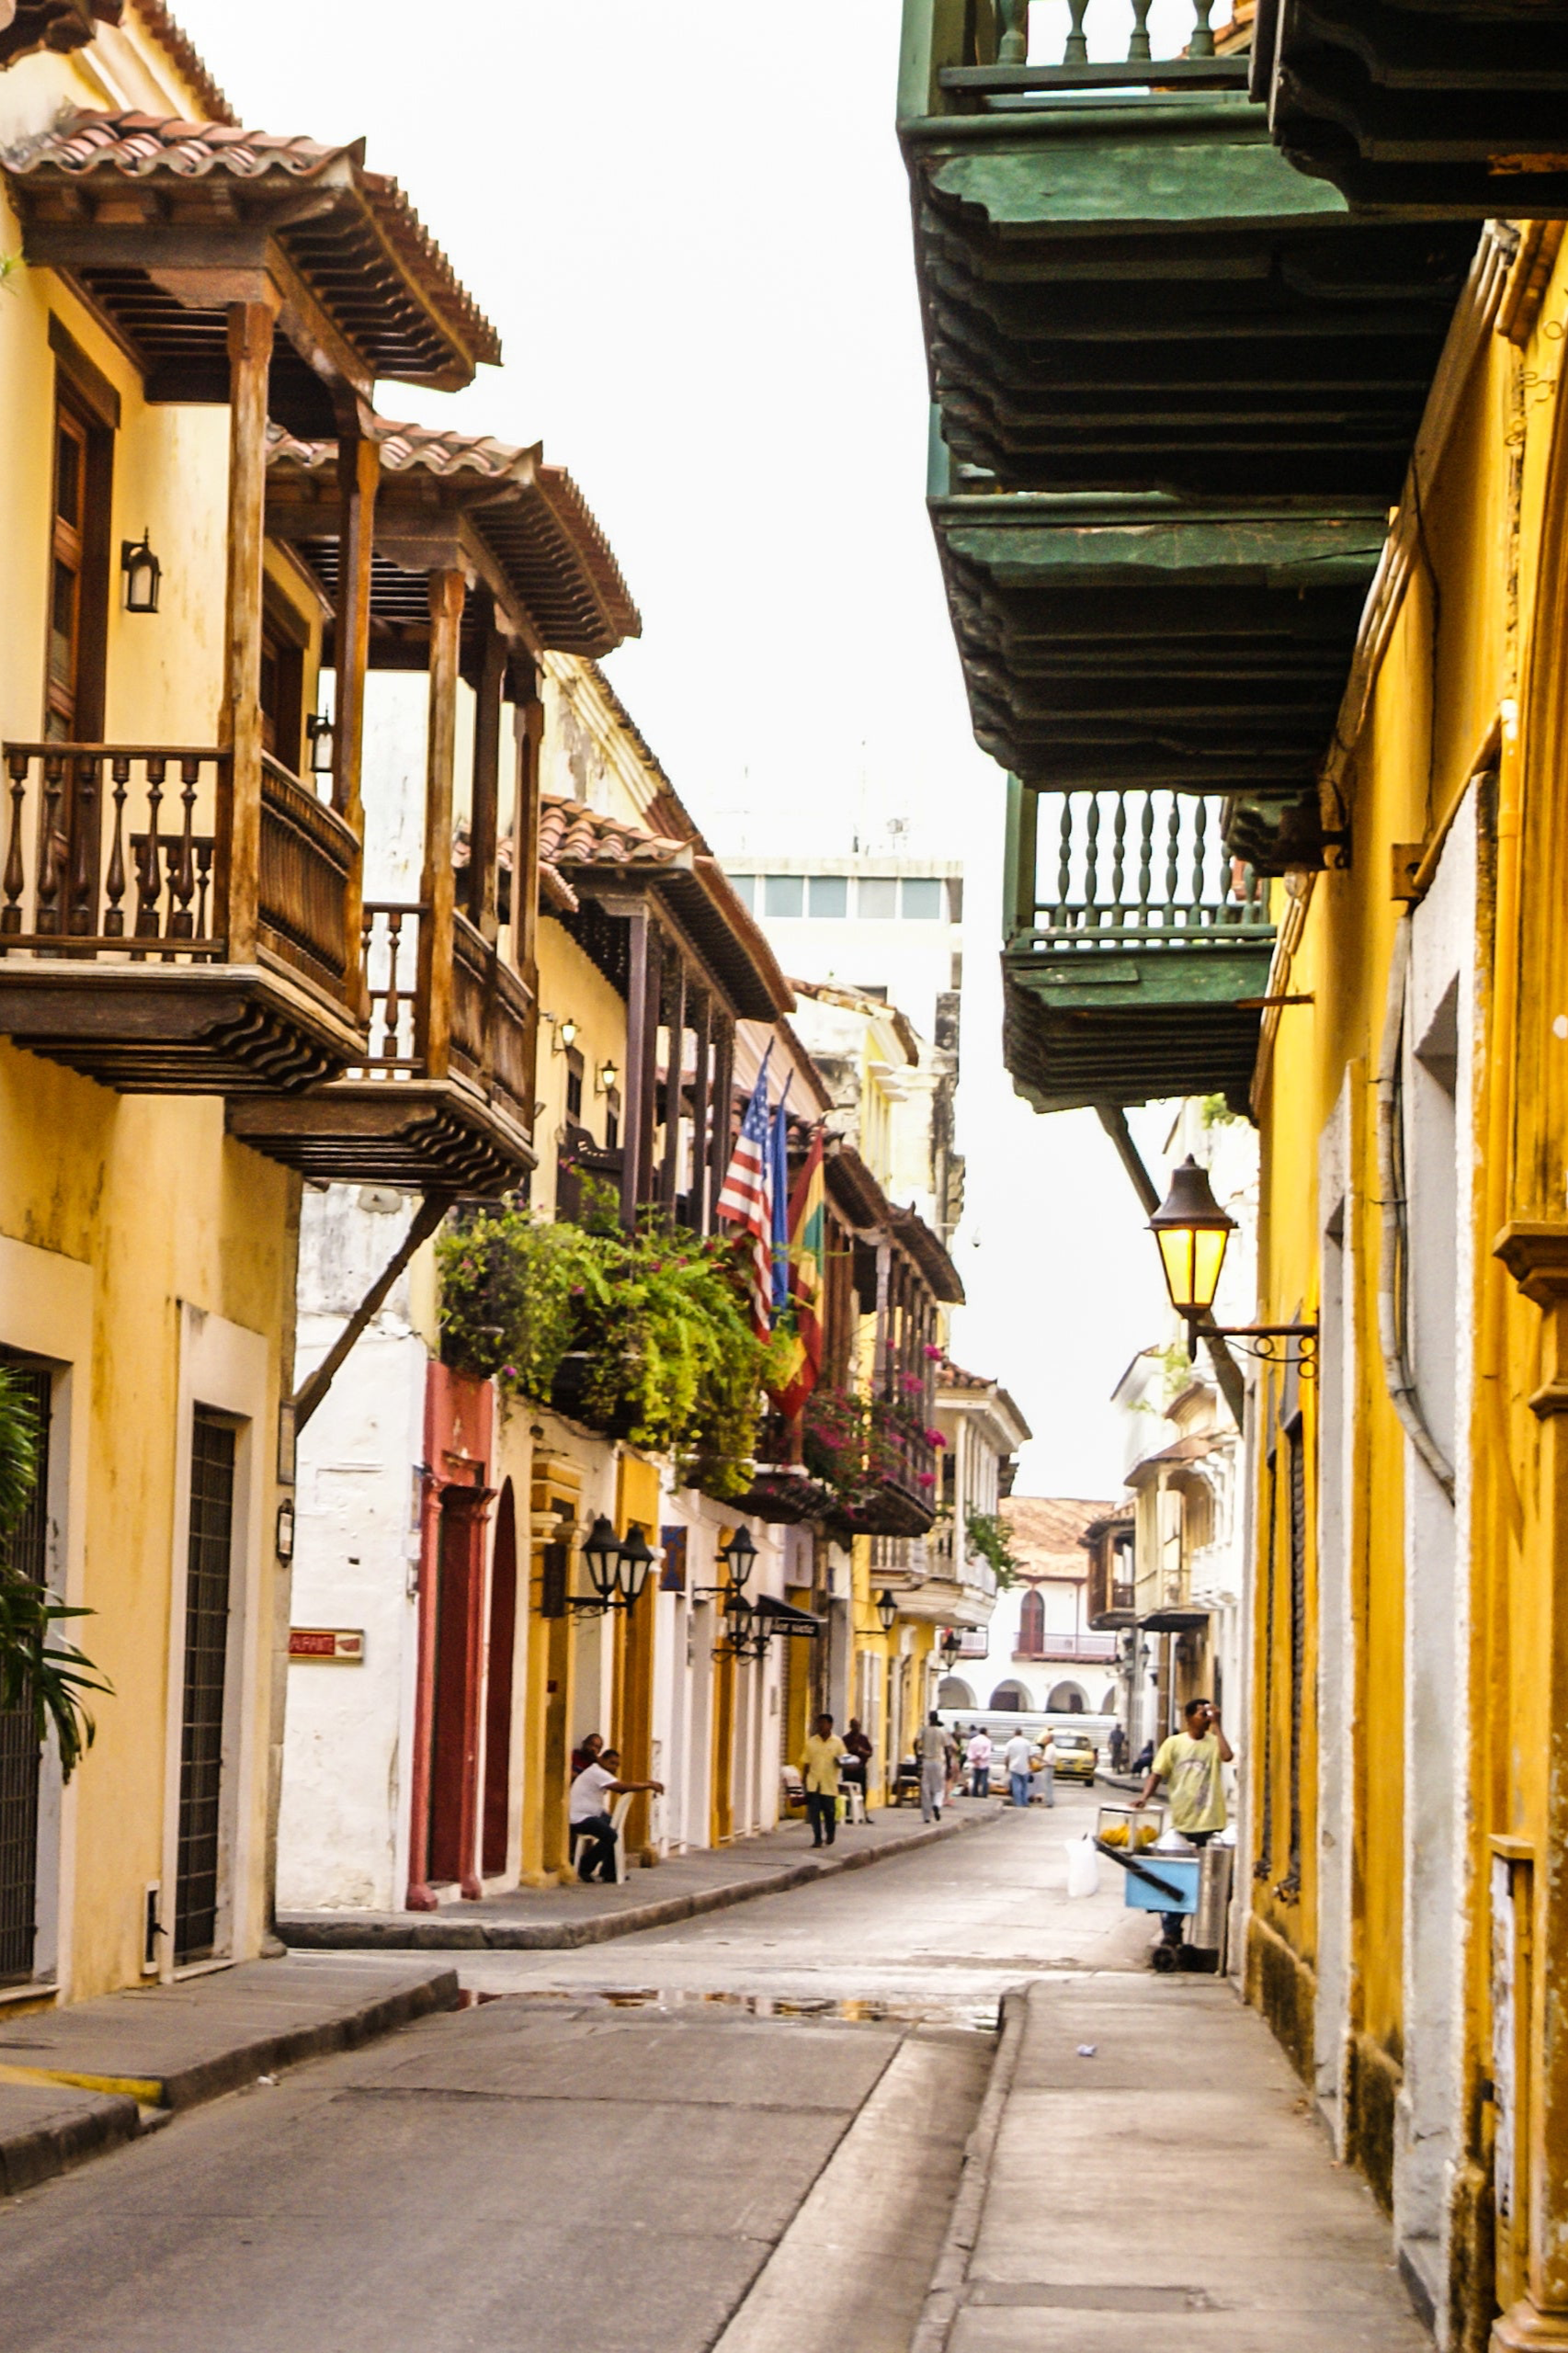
(745, 2132)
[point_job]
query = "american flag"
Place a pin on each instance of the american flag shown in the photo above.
(747, 1201)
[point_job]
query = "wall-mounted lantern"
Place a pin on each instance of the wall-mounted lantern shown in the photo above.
(141, 573)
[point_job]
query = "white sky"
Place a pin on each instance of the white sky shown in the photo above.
(690, 225)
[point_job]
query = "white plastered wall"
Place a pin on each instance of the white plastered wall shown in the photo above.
(1336, 1680)
(1438, 1083)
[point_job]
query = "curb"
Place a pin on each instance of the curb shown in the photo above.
(40, 2152)
(945, 2295)
(316, 1932)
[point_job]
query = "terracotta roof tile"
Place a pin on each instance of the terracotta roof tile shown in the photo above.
(1047, 1532)
(182, 53)
(59, 25)
(572, 834)
(90, 145)
(546, 537)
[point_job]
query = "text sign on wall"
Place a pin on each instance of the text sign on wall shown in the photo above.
(336, 1645)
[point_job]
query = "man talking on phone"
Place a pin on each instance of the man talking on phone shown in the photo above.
(1190, 1761)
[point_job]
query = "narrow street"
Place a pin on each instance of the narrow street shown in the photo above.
(747, 2131)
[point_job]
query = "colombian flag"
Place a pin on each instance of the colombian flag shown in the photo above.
(807, 1249)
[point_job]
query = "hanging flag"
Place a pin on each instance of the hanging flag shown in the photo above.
(747, 1200)
(807, 1256)
(781, 1232)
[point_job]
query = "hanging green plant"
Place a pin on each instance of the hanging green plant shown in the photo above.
(988, 1536)
(652, 1328)
(47, 1679)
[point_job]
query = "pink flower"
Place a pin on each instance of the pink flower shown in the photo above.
(933, 1353)
(926, 1478)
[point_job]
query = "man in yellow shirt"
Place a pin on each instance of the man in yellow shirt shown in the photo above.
(819, 1772)
(1190, 1761)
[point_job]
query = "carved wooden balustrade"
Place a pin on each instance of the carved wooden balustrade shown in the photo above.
(138, 941)
(991, 51)
(443, 1098)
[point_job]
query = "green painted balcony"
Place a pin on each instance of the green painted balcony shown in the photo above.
(1133, 945)
(1451, 108)
(1175, 384)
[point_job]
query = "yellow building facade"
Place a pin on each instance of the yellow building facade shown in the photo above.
(1407, 1934)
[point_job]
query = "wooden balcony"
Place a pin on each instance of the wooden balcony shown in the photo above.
(1134, 941)
(445, 1099)
(129, 901)
(1428, 108)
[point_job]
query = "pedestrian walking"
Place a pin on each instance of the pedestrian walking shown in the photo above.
(820, 1761)
(1045, 1774)
(931, 1746)
(977, 1755)
(1190, 1762)
(954, 1760)
(588, 1823)
(1016, 1759)
(1117, 1746)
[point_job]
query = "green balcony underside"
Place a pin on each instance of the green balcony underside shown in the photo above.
(1149, 296)
(1140, 1027)
(1143, 642)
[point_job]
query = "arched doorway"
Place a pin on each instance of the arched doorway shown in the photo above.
(503, 1639)
(1031, 1623)
(1066, 1698)
(1010, 1696)
(954, 1692)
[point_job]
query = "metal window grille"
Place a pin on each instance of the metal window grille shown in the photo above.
(206, 1659)
(25, 1554)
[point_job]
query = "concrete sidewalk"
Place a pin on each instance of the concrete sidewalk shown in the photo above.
(1146, 2163)
(559, 1919)
(78, 2080)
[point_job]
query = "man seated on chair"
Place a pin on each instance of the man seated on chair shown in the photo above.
(588, 1824)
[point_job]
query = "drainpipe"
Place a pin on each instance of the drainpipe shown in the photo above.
(1393, 1256)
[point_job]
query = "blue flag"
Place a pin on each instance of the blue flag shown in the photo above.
(781, 1207)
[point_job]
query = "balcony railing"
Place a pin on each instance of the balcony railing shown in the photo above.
(444, 1095)
(1067, 1646)
(1135, 944)
(1146, 871)
(981, 54)
(121, 867)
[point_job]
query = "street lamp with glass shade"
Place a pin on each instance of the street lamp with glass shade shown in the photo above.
(887, 1610)
(636, 1560)
(1193, 1232)
(601, 1551)
(739, 1556)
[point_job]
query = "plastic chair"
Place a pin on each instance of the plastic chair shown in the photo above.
(622, 1807)
(854, 1797)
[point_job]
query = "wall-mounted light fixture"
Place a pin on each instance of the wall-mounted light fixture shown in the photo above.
(283, 1533)
(607, 1078)
(565, 1029)
(141, 573)
(318, 728)
(887, 1610)
(618, 1567)
(1193, 1234)
(952, 1644)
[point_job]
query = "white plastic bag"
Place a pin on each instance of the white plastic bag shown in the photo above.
(1083, 1867)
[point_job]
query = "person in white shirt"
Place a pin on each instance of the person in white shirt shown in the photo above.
(588, 1824)
(977, 1756)
(1045, 1771)
(1015, 1757)
(931, 1743)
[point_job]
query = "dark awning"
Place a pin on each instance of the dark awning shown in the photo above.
(1174, 1621)
(783, 1618)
